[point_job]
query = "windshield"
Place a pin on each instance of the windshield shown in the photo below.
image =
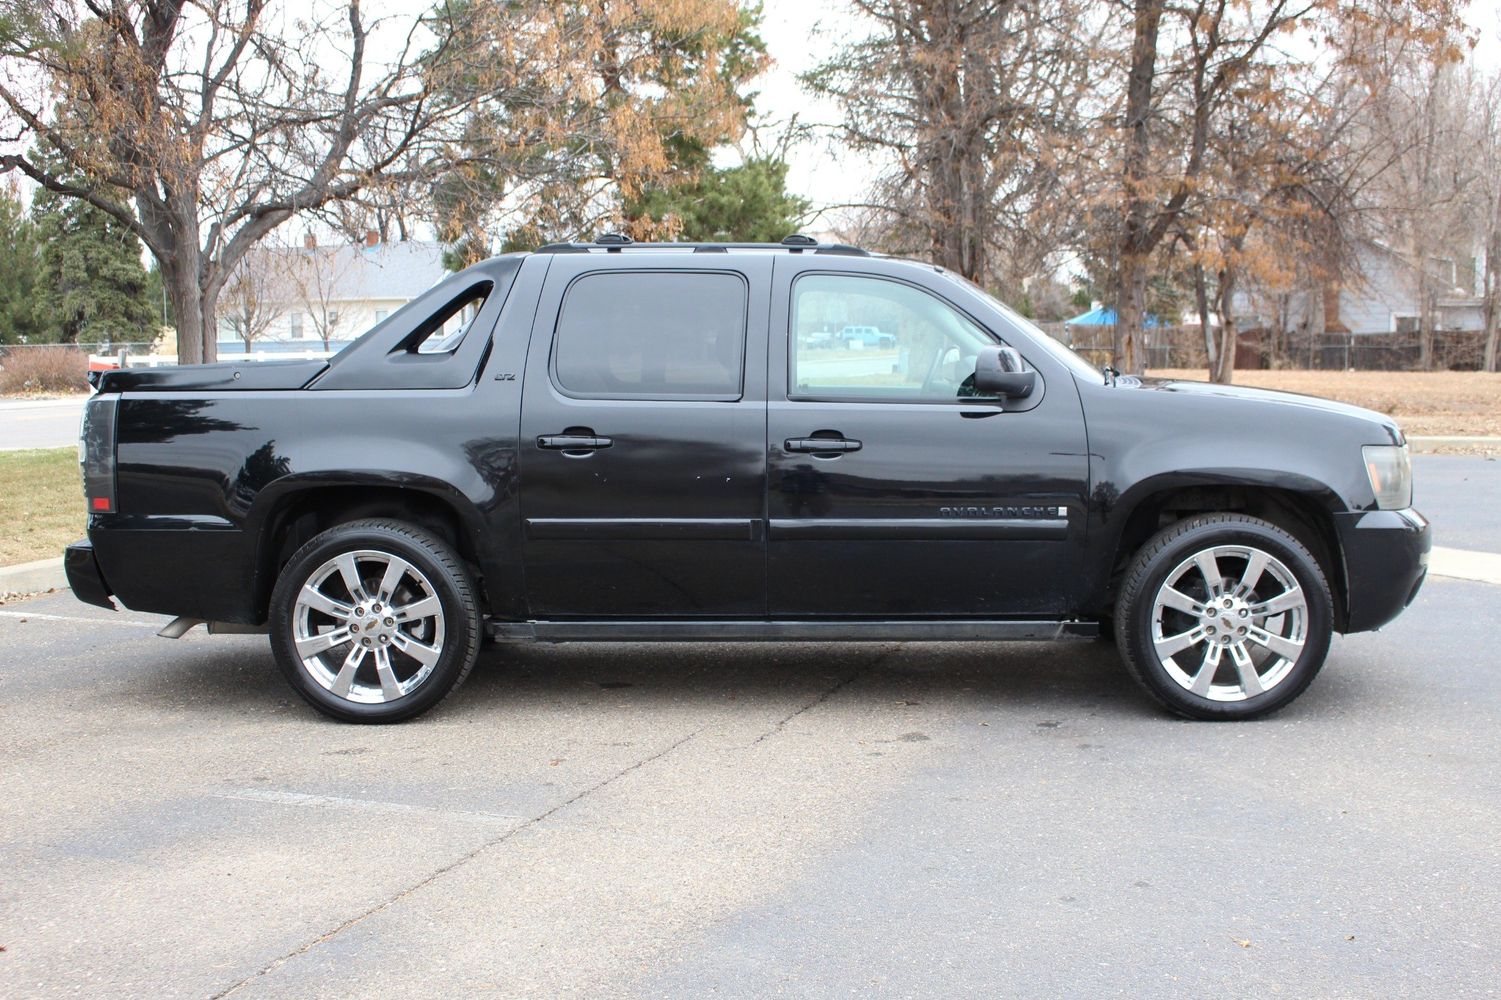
(1058, 350)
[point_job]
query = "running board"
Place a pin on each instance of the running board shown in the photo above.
(740, 630)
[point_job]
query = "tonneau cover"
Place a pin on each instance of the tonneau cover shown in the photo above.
(213, 378)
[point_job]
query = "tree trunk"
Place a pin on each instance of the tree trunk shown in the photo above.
(1224, 371)
(1425, 323)
(187, 306)
(1135, 244)
(1492, 330)
(1492, 305)
(1201, 301)
(173, 238)
(1130, 311)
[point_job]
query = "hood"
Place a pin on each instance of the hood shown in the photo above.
(1250, 394)
(212, 378)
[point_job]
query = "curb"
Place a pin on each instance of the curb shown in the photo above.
(32, 577)
(1463, 564)
(1427, 445)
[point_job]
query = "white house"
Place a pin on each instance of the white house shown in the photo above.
(304, 295)
(1381, 299)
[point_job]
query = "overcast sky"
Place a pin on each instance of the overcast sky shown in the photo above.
(800, 34)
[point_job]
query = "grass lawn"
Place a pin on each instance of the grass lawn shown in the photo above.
(1465, 404)
(41, 503)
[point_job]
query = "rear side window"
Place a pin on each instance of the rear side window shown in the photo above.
(445, 330)
(652, 335)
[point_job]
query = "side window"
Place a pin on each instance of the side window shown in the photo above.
(652, 335)
(442, 333)
(873, 339)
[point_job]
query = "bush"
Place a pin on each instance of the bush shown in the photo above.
(26, 370)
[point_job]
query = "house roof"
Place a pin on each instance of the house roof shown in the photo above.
(401, 270)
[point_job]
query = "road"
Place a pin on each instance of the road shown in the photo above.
(51, 423)
(749, 821)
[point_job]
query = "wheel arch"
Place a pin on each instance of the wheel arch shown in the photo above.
(1302, 507)
(294, 510)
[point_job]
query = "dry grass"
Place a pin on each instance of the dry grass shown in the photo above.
(1466, 404)
(41, 503)
(36, 371)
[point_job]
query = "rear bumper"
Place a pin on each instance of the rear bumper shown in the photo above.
(1386, 560)
(84, 576)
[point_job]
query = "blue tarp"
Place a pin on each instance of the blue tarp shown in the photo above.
(1105, 317)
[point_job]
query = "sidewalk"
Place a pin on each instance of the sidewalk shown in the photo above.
(7, 403)
(32, 577)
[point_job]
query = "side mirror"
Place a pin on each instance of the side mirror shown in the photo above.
(999, 372)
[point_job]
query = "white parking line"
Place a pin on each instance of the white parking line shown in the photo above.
(38, 616)
(278, 797)
(1462, 564)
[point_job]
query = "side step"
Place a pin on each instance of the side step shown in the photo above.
(740, 630)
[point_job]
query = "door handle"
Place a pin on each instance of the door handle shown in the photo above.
(573, 442)
(816, 445)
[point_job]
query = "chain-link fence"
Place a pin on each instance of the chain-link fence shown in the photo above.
(1183, 347)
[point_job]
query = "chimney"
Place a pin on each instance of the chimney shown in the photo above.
(309, 240)
(372, 238)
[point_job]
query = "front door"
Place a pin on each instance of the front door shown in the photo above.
(893, 491)
(643, 466)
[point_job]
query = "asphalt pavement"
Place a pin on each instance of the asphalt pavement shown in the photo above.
(1459, 494)
(898, 820)
(49, 423)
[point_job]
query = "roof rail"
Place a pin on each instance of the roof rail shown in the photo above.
(616, 242)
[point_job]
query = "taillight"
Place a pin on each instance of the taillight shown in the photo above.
(96, 451)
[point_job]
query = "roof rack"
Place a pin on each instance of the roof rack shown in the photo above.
(616, 242)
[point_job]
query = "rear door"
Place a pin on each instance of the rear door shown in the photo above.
(643, 463)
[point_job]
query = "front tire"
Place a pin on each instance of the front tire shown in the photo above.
(374, 621)
(1224, 616)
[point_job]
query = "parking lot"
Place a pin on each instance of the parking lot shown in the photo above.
(759, 820)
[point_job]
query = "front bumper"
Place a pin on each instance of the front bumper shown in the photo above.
(84, 575)
(1386, 560)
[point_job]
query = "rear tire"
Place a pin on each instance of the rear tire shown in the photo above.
(375, 621)
(1224, 616)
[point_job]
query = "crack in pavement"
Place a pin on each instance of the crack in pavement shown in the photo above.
(828, 693)
(445, 869)
(386, 904)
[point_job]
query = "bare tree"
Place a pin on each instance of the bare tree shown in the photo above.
(257, 293)
(319, 276)
(1419, 116)
(1217, 50)
(223, 119)
(975, 105)
(221, 123)
(1486, 119)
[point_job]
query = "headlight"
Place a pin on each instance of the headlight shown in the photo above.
(1390, 469)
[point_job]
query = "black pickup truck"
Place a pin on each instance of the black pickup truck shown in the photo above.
(605, 441)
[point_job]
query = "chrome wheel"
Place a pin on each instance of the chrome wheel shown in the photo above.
(368, 627)
(1229, 623)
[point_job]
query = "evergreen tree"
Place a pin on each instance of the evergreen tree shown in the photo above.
(18, 270)
(92, 286)
(744, 204)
